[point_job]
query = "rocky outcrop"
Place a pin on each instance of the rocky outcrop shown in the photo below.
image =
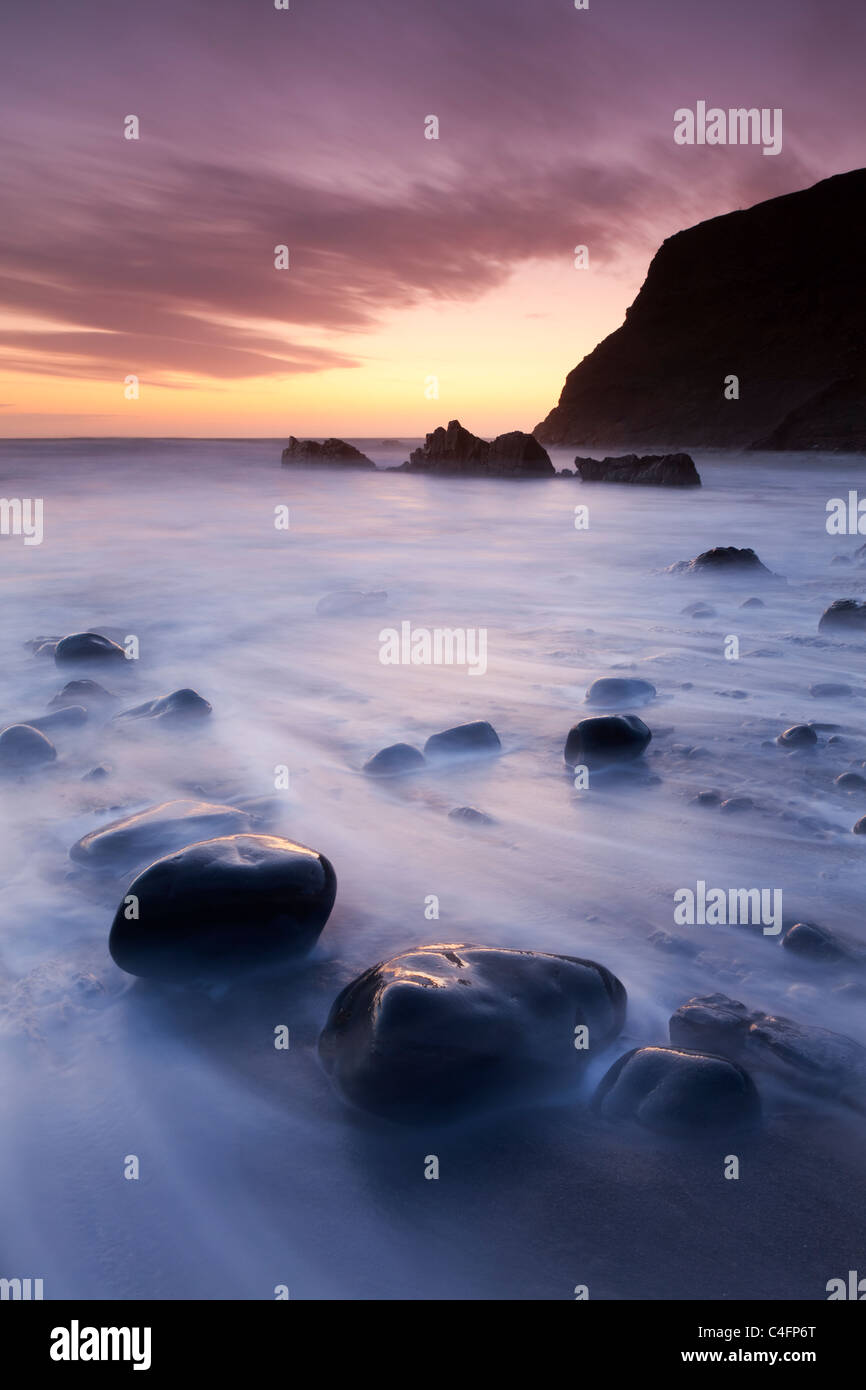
(773, 294)
(331, 453)
(724, 559)
(653, 470)
(845, 616)
(456, 452)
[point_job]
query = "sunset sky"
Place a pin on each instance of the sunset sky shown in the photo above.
(410, 258)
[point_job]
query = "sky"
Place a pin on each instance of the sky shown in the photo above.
(428, 279)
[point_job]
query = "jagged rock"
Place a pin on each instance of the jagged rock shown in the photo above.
(331, 453)
(609, 738)
(812, 1057)
(653, 470)
(845, 616)
(394, 760)
(464, 741)
(612, 692)
(729, 295)
(180, 707)
(456, 451)
(23, 747)
(350, 602)
(85, 647)
(137, 839)
(447, 1030)
(222, 905)
(725, 560)
(676, 1091)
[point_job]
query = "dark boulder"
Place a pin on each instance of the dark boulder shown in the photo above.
(828, 690)
(610, 738)
(724, 560)
(136, 840)
(455, 451)
(753, 603)
(813, 1058)
(850, 781)
(651, 470)
(23, 747)
(679, 1092)
(180, 707)
(464, 741)
(814, 942)
(798, 736)
(70, 717)
(221, 905)
(87, 646)
(444, 1031)
(331, 453)
(397, 758)
(844, 616)
(88, 694)
(612, 692)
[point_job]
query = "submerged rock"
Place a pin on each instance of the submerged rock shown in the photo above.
(699, 610)
(680, 1092)
(811, 1057)
(724, 560)
(22, 747)
(349, 602)
(464, 741)
(845, 616)
(828, 690)
(87, 646)
(753, 603)
(88, 694)
(137, 839)
(394, 760)
(443, 1031)
(176, 708)
(650, 470)
(850, 781)
(70, 717)
(470, 816)
(455, 451)
(224, 904)
(612, 691)
(798, 736)
(331, 453)
(816, 942)
(609, 738)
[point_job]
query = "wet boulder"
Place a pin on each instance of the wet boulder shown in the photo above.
(814, 942)
(726, 560)
(606, 739)
(69, 717)
(850, 781)
(394, 760)
(464, 741)
(23, 748)
(135, 840)
(445, 1031)
(180, 707)
(87, 646)
(612, 692)
(815, 1059)
(672, 1090)
(845, 618)
(223, 905)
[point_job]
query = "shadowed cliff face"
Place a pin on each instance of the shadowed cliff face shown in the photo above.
(773, 295)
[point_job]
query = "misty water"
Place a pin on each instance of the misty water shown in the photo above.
(254, 1173)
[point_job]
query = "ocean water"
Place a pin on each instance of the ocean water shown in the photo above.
(253, 1172)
